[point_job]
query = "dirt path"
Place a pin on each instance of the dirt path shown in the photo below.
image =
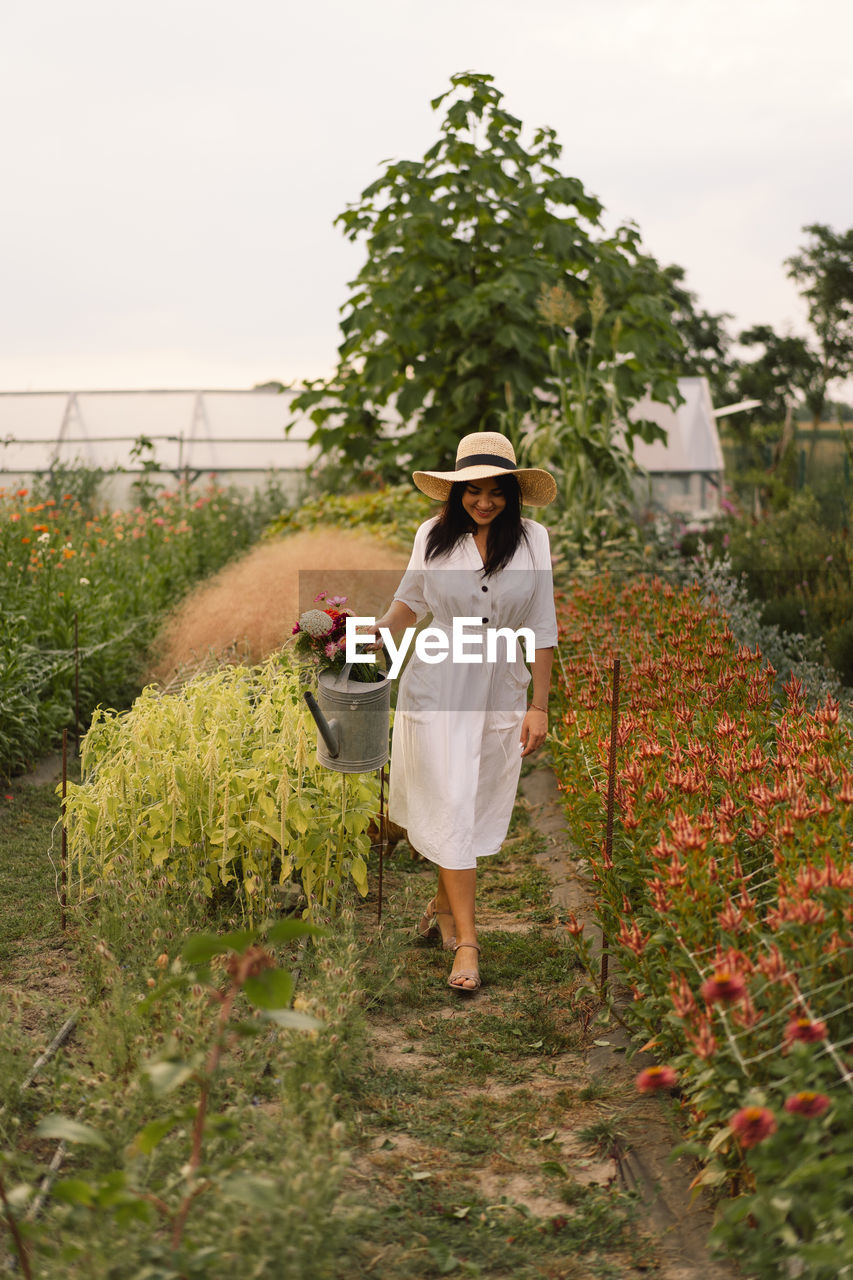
(515, 1106)
(646, 1166)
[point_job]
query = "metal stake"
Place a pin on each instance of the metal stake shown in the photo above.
(63, 871)
(383, 837)
(611, 793)
(76, 687)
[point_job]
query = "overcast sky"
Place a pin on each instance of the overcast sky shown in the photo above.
(172, 169)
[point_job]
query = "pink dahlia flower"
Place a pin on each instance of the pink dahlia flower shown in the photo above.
(654, 1079)
(724, 987)
(752, 1125)
(807, 1103)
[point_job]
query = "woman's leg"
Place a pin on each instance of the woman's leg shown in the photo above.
(459, 888)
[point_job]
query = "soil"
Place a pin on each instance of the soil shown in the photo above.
(680, 1224)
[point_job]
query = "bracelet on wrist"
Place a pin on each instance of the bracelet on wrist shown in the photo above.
(533, 707)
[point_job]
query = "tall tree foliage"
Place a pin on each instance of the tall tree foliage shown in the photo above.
(441, 329)
(823, 269)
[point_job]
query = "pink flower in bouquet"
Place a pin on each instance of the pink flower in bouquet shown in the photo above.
(752, 1125)
(331, 649)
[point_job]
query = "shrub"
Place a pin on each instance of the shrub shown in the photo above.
(218, 786)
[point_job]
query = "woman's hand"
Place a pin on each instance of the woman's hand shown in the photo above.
(534, 730)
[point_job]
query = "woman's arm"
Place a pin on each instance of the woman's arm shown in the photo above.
(396, 618)
(534, 726)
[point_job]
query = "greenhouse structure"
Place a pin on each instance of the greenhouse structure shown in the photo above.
(241, 437)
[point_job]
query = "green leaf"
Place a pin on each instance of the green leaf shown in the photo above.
(252, 1189)
(66, 1130)
(271, 989)
(167, 1075)
(286, 930)
(202, 947)
(73, 1191)
(153, 1134)
(294, 1018)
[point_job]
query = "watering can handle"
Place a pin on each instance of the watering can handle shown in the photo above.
(343, 674)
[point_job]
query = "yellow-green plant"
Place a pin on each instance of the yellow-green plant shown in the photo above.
(218, 785)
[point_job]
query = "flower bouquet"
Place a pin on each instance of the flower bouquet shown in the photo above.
(320, 635)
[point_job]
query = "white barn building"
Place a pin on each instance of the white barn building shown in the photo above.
(685, 474)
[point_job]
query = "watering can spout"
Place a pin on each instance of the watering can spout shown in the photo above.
(329, 729)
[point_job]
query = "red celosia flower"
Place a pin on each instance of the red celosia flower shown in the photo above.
(807, 1103)
(574, 927)
(653, 1079)
(752, 1125)
(724, 987)
(805, 1029)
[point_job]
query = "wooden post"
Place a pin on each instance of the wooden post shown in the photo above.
(63, 848)
(611, 794)
(383, 837)
(76, 686)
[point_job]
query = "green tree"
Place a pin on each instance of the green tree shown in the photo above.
(823, 269)
(441, 330)
(783, 378)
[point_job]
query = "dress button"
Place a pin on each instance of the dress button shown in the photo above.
(484, 588)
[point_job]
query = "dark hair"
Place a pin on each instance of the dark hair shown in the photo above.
(505, 532)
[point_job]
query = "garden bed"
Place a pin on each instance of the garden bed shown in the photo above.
(726, 896)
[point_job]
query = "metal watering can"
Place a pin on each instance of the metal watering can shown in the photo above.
(352, 721)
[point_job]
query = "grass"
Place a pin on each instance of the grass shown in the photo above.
(29, 839)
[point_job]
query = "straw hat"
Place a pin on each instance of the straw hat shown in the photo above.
(483, 454)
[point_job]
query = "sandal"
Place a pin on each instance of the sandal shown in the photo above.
(465, 975)
(428, 925)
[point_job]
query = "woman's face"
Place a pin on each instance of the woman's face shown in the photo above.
(483, 500)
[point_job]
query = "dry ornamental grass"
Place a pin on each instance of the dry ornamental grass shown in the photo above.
(249, 608)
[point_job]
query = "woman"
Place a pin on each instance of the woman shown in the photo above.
(463, 726)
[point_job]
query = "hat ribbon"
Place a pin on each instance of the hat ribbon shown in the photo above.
(484, 460)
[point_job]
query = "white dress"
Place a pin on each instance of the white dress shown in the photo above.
(455, 750)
